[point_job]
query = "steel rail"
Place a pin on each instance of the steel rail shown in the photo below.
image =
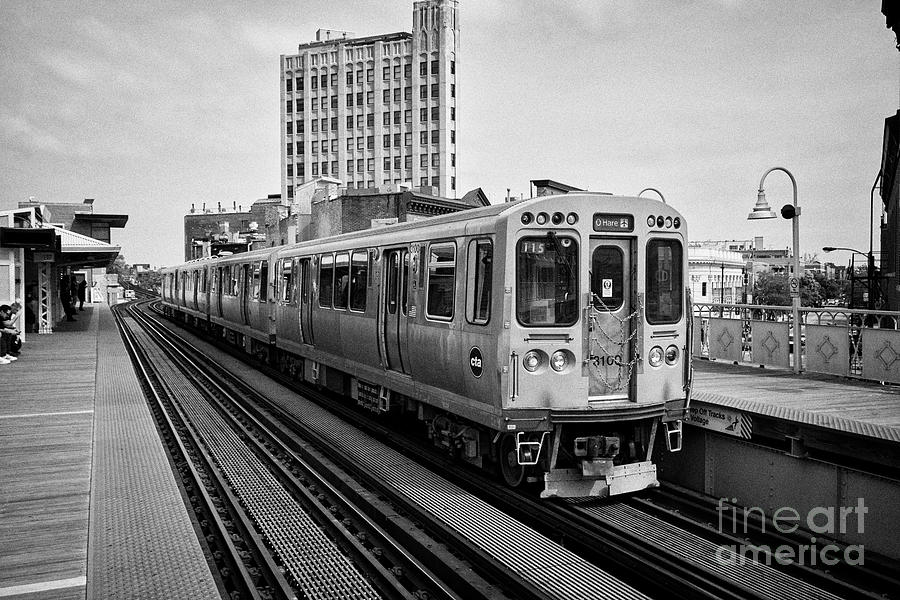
(350, 501)
(242, 580)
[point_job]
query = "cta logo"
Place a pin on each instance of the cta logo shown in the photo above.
(476, 361)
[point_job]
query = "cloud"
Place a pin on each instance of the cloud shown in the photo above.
(19, 131)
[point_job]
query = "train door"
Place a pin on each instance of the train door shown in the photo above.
(220, 290)
(305, 274)
(394, 311)
(245, 293)
(612, 319)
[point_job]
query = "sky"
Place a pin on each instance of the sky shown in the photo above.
(151, 106)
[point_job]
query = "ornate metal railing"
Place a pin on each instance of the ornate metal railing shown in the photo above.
(835, 340)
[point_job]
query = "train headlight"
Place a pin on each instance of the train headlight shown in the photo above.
(571, 218)
(668, 222)
(559, 360)
(655, 357)
(651, 221)
(542, 218)
(527, 218)
(660, 221)
(671, 355)
(531, 361)
(557, 218)
(677, 222)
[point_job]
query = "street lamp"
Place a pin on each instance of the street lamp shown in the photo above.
(763, 211)
(870, 272)
(661, 197)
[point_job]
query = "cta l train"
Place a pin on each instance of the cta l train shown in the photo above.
(549, 338)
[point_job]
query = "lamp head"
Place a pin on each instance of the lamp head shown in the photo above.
(829, 249)
(762, 209)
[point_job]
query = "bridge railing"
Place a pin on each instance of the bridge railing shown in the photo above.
(833, 340)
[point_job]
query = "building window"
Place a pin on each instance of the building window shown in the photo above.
(407, 139)
(324, 167)
(289, 85)
(299, 126)
(299, 84)
(349, 166)
(407, 93)
(359, 78)
(324, 124)
(370, 120)
(396, 94)
(290, 190)
(314, 104)
(370, 164)
(423, 137)
(359, 165)
(359, 121)
(386, 73)
(434, 67)
(299, 147)
(315, 169)
(452, 113)
(370, 97)
(387, 163)
(349, 99)
(423, 114)
(359, 98)
(423, 68)
(313, 83)
(324, 102)
(386, 118)
(349, 122)
(324, 81)
(435, 113)
(289, 128)
(453, 90)
(334, 101)
(396, 117)
(434, 136)
(334, 144)
(289, 107)
(324, 146)
(386, 96)
(435, 181)
(315, 148)
(334, 123)
(290, 170)
(452, 160)
(434, 90)
(396, 71)
(453, 67)
(407, 116)
(370, 142)
(334, 79)
(452, 136)
(423, 92)
(334, 167)
(298, 104)
(407, 161)
(397, 163)
(435, 160)
(423, 182)
(407, 70)
(453, 183)
(349, 77)
(370, 74)
(359, 143)
(301, 170)
(387, 140)
(423, 161)
(315, 125)
(703, 289)
(441, 281)
(290, 149)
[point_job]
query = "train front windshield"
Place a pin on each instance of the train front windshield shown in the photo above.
(547, 281)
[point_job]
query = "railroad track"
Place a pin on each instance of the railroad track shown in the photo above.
(656, 549)
(265, 508)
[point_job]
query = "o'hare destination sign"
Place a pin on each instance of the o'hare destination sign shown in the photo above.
(723, 420)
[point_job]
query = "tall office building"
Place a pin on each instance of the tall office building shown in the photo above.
(374, 111)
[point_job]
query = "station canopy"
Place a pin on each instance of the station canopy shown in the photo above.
(80, 250)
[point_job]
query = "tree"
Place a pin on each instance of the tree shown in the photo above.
(120, 268)
(772, 289)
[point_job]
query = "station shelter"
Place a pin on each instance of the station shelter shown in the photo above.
(35, 256)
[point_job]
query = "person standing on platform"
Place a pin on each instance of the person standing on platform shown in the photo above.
(82, 288)
(7, 334)
(65, 296)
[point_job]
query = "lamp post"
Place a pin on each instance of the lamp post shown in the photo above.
(649, 189)
(870, 271)
(762, 211)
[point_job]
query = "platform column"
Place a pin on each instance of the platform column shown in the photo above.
(45, 294)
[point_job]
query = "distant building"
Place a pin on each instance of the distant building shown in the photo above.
(715, 275)
(374, 111)
(890, 220)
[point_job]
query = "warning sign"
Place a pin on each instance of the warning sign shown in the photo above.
(794, 283)
(723, 420)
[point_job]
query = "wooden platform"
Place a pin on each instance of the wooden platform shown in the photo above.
(856, 407)
(68, 528)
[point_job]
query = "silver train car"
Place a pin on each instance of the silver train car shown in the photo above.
(547, 338)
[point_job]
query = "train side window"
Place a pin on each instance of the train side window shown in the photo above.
(441, 281)
(359, 277)
(326, 279)
(254, 292)
(404, 283)
(479, 277)
(392, 280)
(286, 283)
(295, 278)
(341, 279)
(664, 281)
(304, 279)
(608, 278)
(262, 281)
(201, 283)
(215, 280)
